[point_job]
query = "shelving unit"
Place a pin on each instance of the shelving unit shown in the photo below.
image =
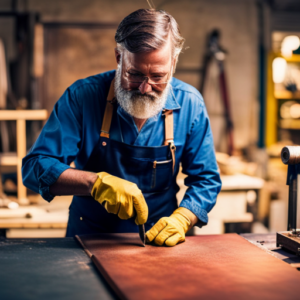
(273, 121)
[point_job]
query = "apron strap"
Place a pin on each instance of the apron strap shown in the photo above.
(169, 133)
(108, 111)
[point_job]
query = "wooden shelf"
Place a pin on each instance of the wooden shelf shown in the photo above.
(289, 124)
(293, 58)
(287, 95)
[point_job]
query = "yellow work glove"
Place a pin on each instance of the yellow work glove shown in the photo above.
(170, 230)
(121, 197)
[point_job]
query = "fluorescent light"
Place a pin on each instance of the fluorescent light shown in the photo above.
(295, 111)
(279, 68)
(289, 44)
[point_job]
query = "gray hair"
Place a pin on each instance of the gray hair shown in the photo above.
(146, 30)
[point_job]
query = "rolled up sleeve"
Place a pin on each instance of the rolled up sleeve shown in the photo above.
(199, 163)
(55, 148)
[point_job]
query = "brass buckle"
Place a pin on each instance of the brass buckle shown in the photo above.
(172, 145)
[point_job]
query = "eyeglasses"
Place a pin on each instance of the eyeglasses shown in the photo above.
(159, 83)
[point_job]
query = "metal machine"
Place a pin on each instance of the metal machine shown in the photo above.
(290, 239)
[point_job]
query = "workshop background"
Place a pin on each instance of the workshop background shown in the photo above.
(250, 79)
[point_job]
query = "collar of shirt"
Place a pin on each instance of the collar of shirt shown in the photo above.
(171, 103)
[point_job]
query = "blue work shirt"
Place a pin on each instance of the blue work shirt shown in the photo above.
(73, 129)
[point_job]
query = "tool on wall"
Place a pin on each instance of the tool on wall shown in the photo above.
(290, 239)
(216, 52)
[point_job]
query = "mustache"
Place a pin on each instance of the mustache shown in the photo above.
(138, 95)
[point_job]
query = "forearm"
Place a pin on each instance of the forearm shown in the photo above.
(74, 182)
(193, 218)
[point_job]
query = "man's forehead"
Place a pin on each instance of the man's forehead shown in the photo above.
(159, 57)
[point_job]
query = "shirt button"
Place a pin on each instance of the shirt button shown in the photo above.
(104, 144)
(81, 218)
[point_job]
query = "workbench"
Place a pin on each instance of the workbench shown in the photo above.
(43, 220)
(60, 269)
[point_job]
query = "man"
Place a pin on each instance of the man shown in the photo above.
(148, 124)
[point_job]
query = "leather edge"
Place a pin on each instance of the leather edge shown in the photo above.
(102, 270)
(108, 279)
(83, 246)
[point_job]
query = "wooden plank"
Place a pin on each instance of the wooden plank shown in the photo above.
(8, 159)
(32, 224)
(241, 182)
(20, 212)
(21, 152)
(36, 233)
(243, 218)
(39, 114)
(204, 267)
(38, 50)
(38, 218)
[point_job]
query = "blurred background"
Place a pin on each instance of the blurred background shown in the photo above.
(242, 55)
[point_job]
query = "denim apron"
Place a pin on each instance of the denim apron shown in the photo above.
(151, 168)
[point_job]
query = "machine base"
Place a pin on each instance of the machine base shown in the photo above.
(286, 240)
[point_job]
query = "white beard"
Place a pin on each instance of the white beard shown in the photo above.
(136, 104)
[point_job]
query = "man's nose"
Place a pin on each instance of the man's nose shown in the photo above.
(145, 87)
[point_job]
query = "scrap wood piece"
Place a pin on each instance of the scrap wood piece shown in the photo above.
(204, 267)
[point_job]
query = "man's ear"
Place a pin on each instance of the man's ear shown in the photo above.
(175, 60)
(117, 55)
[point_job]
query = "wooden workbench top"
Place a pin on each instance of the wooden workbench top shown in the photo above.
(60, 269)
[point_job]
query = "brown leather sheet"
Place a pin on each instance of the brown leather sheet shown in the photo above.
(204, 267)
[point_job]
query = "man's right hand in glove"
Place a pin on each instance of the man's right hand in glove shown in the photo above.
(121, 197)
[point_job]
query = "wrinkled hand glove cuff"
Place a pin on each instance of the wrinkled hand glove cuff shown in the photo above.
(179, 212)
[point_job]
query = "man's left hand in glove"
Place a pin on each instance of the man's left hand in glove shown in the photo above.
(171, 230)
